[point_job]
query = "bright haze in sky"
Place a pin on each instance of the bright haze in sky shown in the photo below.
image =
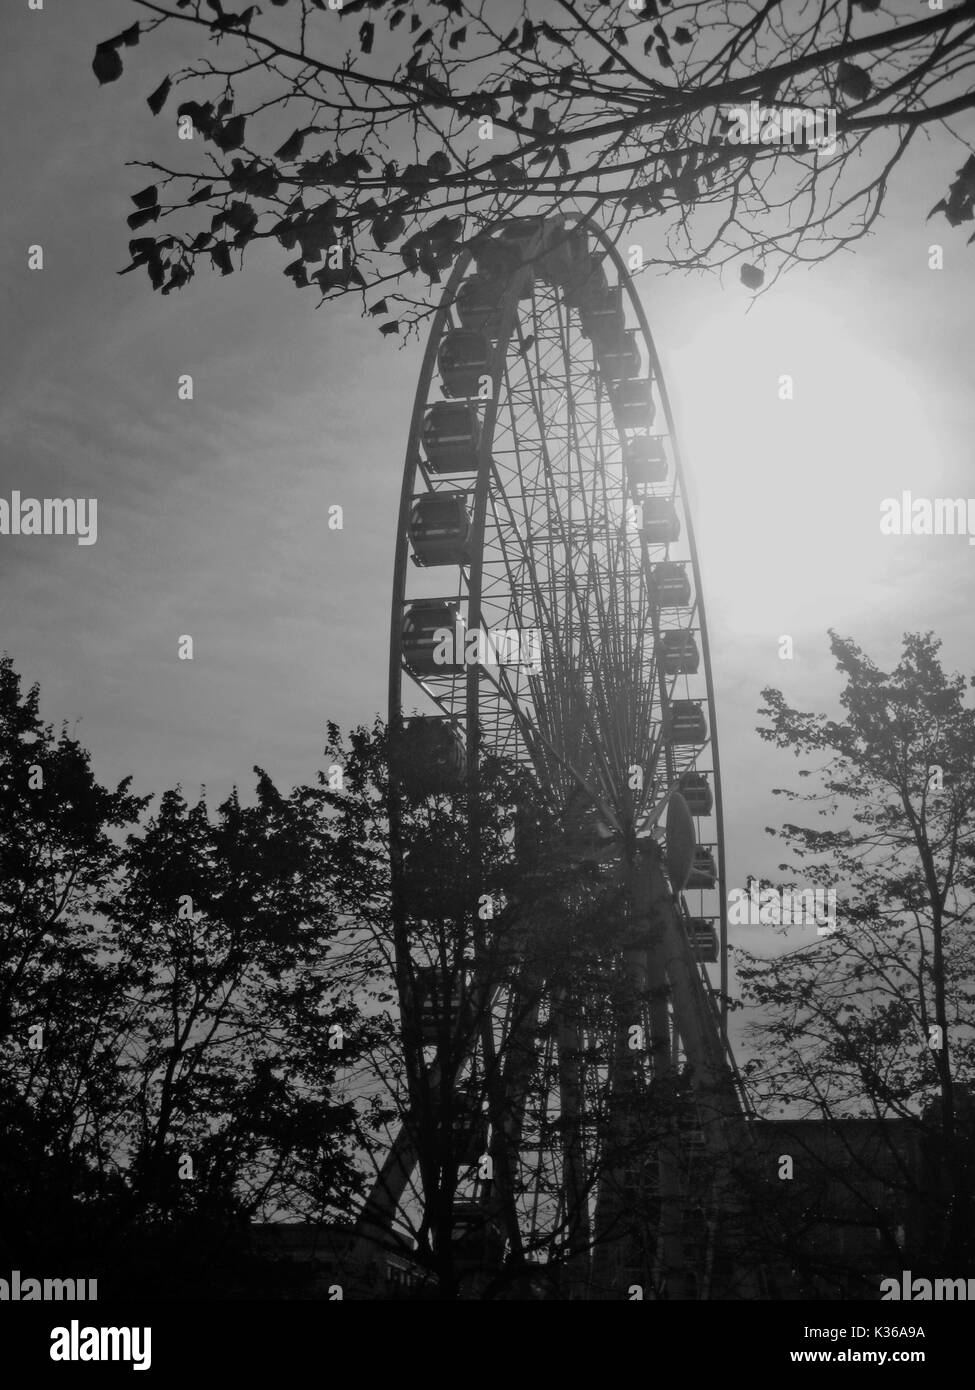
(212, 513)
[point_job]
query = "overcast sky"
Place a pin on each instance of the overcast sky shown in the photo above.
(212, 514)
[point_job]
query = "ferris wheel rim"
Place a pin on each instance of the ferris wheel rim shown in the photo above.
(441, 323)
(413, 463)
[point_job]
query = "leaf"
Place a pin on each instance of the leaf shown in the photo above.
(619, 37)
(505, 172)
(424, 38)
(200, 115)
(146, 197)
(221, 258)
(388, 227)
(379, 308)
(367, 33)
(291, 148)
(751, 277)
(255, 178)
(541, 121)
(458, 37)
(391, 327)
(201, 195)
(106, 65)
(142, 250)
(241, 216)
(852, 81)
(415, 22)
(140, 219)
(396, 18)
(157, 100)
(230, 135)
(521, 93)
(177, 279)
(528, 39)
(682, 35)
(605, 66)
(439, 164)
(296, 271)
(130, 36)
(663, 57)
(959, 206)
(562, 155)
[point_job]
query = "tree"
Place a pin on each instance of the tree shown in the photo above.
(170, 1047)
(240, 1037)
(875, 1020)
(61, 998)
(377, 165)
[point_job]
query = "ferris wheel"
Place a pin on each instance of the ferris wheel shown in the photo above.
(547, 610)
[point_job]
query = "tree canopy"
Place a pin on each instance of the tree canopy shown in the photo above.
(372, 140)
(876, 1020)
(168, 1067)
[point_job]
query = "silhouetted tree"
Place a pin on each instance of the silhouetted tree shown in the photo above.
(170, 1043)
(62, 1000)
(876, 1020)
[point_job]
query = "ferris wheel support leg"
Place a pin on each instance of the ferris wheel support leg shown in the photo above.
(579, 1236)
(373, 1229)
(724, 1128)
(619, 1256)
(507, 1098)
(670, 1264)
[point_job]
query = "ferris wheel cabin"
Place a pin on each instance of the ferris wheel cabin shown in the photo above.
(704, 940)
(463, 358)
(661, 524)
(696, 791)
(424, 623)
(450, 436)
(430, 757)
(440, 529)
(645, 460)
(619, 358)
(477, 303)
(687, 722)
(679, 655)
(435, 1007)
(670, 584)
(704, 870)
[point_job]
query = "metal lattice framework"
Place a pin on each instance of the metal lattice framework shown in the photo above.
(572, 535)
